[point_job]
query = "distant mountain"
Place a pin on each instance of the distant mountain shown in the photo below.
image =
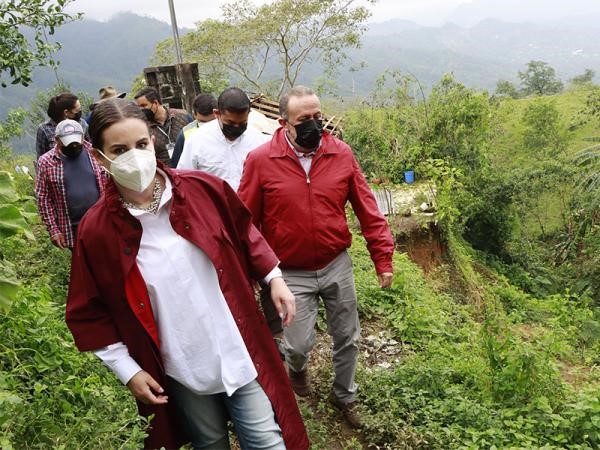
(391, 27)
(478, 56)
(95, 54)
(535, 11)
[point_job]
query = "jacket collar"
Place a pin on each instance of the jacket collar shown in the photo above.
(279, 147)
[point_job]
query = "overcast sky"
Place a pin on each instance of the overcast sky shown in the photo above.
(424, 12)
(190, 11)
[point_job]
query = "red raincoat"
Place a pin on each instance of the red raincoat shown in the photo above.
(108, 301)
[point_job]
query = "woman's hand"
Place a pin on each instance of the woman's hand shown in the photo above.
(143, 388)
(284, 300)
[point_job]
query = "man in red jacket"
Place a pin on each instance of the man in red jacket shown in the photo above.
(297, 186)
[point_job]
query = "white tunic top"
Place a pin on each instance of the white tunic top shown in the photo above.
(200, 344)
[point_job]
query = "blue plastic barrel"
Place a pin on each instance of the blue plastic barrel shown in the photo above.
(409, 176)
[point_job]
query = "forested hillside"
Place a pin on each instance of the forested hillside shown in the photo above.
(94, 54)
(495, 347)
(488, 338)
(115, 52)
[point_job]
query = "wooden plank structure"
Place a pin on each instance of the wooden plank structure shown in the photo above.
(270, 109)
(177, 85)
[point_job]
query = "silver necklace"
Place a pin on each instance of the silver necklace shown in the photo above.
(152, 208)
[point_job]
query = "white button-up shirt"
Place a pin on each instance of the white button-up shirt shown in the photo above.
(208, 150)
(201, 346)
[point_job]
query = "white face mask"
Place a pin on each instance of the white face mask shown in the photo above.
(134, 169)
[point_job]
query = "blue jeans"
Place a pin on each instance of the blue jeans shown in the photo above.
(205, 417)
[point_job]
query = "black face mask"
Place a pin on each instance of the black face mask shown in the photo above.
(231, 132)
(149, 114)
(73, 150)
(308, 133)
(77, 116)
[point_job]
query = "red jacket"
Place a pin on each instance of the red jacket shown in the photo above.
(108, 301)
(303, 217)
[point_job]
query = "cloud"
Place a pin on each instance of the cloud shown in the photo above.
(189, 12)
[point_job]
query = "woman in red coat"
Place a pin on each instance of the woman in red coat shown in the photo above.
(161, 291)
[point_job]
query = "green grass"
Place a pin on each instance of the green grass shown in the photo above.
(507, 150)
(480, 363)
(509, 155)
(491, 374)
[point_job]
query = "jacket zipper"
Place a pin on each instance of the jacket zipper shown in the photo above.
(310, 202)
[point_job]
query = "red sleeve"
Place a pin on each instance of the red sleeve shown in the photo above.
(373, 225)
(86, 315)
(259, 256)
(250, 191)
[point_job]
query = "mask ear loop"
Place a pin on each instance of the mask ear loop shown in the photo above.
(107, 158)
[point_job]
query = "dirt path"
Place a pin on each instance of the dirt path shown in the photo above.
(326, 426)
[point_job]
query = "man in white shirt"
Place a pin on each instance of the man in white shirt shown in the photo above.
(220, 147)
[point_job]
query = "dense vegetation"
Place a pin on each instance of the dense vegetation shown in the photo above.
(502, 342)
(498, 347)
(51, 396)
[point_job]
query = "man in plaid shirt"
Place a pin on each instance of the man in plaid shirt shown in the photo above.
(68, 182)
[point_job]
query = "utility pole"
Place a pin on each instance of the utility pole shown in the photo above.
(175, 33)
(177, 84)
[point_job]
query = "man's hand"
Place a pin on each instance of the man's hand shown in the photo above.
(284, 300)
(385, 279)
(59, 240)
(143, 388)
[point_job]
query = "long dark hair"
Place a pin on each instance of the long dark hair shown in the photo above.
(107, 113)
(58, 104)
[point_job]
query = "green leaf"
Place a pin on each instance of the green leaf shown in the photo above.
(7, 188)
(9, 287)
(12, 222)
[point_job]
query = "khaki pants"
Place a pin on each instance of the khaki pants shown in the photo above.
(334, 284)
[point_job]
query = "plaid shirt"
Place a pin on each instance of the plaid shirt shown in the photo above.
(52, 196)
(167, 132)
(44, 139)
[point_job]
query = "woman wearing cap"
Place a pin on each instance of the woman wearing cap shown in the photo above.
(61, 107)
(160, 290)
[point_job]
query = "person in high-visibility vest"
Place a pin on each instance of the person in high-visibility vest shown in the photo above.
(202, 107)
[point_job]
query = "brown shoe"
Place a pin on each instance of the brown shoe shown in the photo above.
(348, 410)
(300, 383)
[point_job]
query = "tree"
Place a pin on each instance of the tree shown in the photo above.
(543, 129)
(11, 128)
(267, 47)
(540, 79)
(506, 89)
(18, 55)
(585, 78)
(592, 104)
